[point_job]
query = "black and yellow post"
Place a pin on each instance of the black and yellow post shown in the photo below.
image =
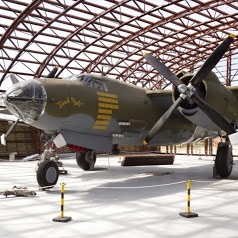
(188, 214)
(62, 218)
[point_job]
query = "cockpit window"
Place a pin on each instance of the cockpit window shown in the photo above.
(89, 81)
(98, 84)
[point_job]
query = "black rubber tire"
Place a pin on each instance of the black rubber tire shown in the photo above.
(47, 174)
(224, 159)
(82, 161)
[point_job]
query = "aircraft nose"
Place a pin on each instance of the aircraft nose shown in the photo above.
(26, 100)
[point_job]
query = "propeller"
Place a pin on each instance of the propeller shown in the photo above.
(190, 90)
(53, 72)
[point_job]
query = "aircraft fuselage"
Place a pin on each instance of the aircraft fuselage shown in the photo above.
(95, 111)
(113, 111)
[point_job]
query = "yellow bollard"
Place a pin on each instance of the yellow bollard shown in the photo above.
(62, 218)
(188, 214)
(188, 197)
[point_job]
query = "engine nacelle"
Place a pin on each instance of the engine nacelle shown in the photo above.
(215, 94)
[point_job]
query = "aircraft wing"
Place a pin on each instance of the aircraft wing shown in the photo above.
(161, 97)
(6, 116)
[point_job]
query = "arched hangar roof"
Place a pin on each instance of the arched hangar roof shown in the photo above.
(108, 37)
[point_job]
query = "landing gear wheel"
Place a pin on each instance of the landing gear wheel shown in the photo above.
(224, 159)
(86, 159)
(47, 174)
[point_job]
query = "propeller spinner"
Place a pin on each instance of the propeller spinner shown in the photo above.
(190, 90)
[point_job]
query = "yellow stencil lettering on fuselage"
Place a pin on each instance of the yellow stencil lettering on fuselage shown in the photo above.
(63, 103)
(75, 102)
(69, 100)
(107, 103)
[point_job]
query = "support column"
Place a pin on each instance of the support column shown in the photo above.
(188, 147)
(171, 149)
(191, 149)
(206, 147)
(210, 146)
(175, 151)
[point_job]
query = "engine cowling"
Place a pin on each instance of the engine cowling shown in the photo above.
(215, 94)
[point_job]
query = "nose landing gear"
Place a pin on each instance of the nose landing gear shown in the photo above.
(47, 171)
(47, 174)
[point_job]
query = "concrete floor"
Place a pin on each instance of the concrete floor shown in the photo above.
(116, 201)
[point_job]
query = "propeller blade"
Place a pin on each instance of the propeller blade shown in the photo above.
(4, 136)
(209, 64)
(212, 60)
(162, 69)
(216, 117)
(14, 79)
(162, 120)
(53, 72)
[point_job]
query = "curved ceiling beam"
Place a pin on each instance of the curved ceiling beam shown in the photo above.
(181, 67)
(101, 38)
(169, 47)
(64, 41)
(123, 62)
(36, 35)
(31, 7)
(107, 52)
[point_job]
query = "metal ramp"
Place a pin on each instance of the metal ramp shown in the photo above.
(139, 159)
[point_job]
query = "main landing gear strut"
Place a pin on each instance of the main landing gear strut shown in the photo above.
(86, 160)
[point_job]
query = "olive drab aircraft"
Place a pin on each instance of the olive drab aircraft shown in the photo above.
(90, 113)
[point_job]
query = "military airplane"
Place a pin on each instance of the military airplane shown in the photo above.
(90, 113)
